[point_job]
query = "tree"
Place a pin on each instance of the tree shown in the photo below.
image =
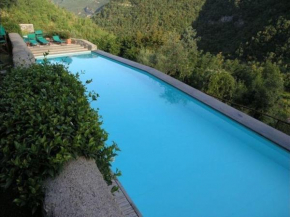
(7, 3)
(221, 85)
(267, 87)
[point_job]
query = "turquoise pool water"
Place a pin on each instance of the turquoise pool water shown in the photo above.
(180, 157)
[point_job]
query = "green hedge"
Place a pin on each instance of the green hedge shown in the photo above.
(46, 120)
(62, 34)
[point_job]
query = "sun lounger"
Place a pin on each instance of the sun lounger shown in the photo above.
(40, 38)
(56, 39)
(32, 39)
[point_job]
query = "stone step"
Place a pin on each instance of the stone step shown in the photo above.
(53, 51)
(61, 52)
(56, 50)
(52, 48)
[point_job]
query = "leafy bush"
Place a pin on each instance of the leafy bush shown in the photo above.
(11, 26)
(46, 120)
(61, 33)
(287, 81)
(222, 85)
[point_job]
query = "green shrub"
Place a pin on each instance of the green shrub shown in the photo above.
(221, 85)
(287, 81)
(61, 33)
(11, 26)
(46, 120)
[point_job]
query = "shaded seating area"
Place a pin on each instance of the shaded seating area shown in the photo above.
(37, 38)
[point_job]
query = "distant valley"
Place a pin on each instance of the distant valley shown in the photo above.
(82, 7)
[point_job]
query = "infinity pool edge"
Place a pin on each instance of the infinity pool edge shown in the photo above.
(268, 132)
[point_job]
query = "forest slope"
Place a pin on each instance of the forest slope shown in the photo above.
(124, 17)
(81, 7)
(250, 30)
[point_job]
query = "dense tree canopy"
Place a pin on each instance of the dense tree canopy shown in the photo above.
(251, 30)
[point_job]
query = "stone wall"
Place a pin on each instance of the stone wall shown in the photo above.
(29, 28)
(79, 190)
(22, 56)
(84, 43)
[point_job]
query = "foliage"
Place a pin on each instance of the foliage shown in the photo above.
(126, 17)
(78, 6)
(10, 209)
(148, 24)
(221, 85)
(7, 3)
(61, 33)
(264, 86)
(46, 120)
(287, 81)
(250, 30)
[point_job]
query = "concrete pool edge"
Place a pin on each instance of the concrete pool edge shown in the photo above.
(61, 55)
(124, 193)
(253, 124)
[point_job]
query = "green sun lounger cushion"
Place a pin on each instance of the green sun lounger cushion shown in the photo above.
(32, 39)
(38, 33)
(2, 35)
(57, 39)
(26, 40)
(2, 31)
(42, 40)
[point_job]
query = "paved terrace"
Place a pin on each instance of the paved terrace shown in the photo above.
(77, 46)
(55, 49)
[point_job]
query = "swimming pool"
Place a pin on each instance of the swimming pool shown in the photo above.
(180, 157)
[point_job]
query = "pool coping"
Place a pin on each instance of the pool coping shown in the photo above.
(268, 132)
(61, 55)
(123, 194)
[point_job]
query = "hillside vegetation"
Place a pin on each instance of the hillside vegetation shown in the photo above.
(250, 30)
(125, 17)
(237, 51)
(81, 7)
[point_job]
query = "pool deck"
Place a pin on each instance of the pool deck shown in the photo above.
(56, 49)
(281, 139)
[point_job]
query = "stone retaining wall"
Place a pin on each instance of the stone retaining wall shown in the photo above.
(27, 28)
(79, 190)
(84, 43)
(22, 56)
